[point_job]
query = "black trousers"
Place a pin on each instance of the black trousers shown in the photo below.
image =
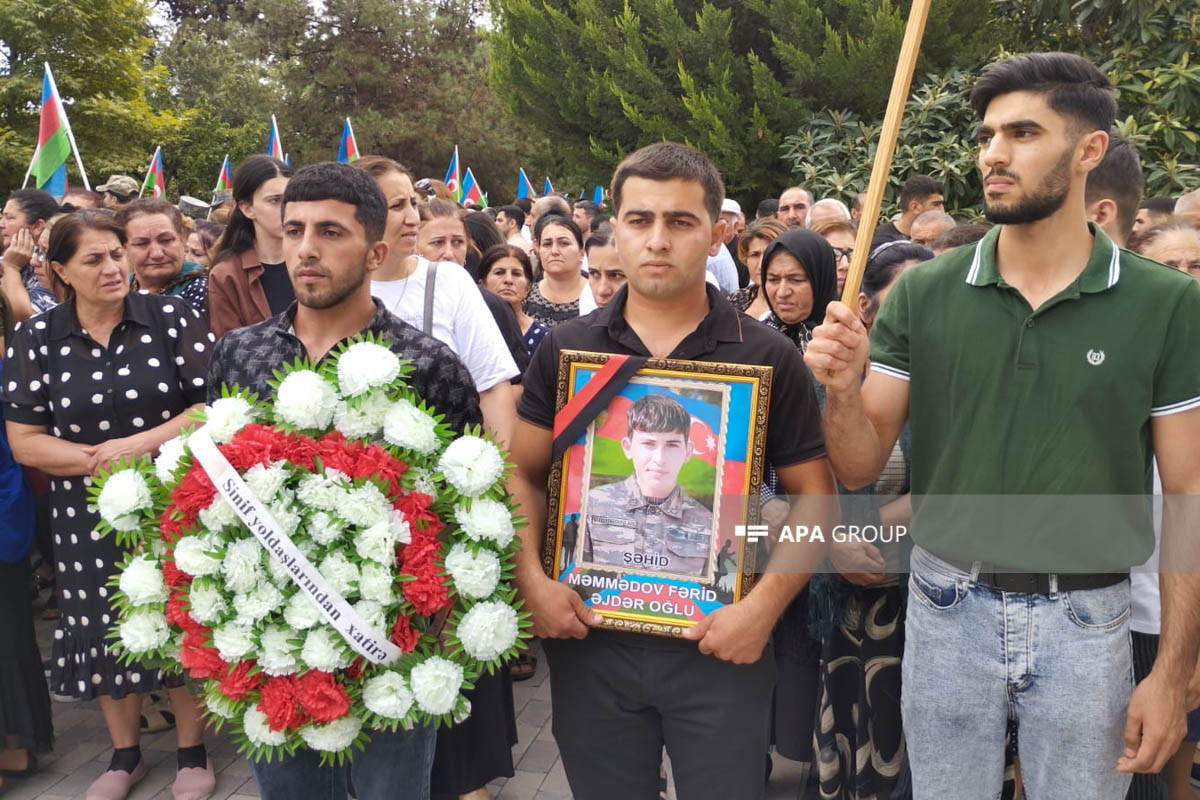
(618, 698)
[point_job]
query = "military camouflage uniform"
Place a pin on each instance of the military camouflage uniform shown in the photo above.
(625, 529)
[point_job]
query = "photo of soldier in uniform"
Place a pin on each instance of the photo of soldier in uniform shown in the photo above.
(648, 521)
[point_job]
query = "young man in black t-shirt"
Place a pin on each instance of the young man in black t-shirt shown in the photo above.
(619, 697)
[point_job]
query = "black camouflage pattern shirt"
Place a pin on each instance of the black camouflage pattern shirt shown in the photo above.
(247, 356)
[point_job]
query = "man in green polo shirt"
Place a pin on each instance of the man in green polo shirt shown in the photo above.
(1041, 361)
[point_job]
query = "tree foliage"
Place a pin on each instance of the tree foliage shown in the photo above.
(602, 77)
(100, 53)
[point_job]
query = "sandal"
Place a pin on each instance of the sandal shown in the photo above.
(156, 714)
(523, 667)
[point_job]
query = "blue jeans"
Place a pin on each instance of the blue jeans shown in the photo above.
(393, 766)
(1059, 665)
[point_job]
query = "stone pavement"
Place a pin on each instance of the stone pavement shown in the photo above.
(82, 751)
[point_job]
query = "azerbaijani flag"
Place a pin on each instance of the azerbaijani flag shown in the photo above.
(547, 189)
(224, 182)
(472, 194)
(155, 183)
(451, 179)
(274, 148)
(524, 189)
(49, 167)
(348, 148)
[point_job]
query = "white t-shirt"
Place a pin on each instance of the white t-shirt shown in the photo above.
(461, 319)
(1146, 603)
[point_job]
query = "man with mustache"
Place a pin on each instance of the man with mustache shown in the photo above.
(1007, 363)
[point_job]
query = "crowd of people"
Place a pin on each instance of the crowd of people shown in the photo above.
(952, 371)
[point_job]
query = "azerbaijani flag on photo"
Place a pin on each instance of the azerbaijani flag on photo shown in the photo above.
(348, 147)
(49, 167)
(154, 183)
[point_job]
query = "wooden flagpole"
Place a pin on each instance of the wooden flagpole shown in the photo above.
(907, 63)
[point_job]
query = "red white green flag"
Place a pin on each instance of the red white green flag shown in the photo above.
(154, 183)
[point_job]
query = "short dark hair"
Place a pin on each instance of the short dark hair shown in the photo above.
(664, 161)
(524, 203)
(598, 239)
(885, 260)
(546, 220)
(601, 222)
(658, 413)
(500, 251)
(515, 214)
(963, 233)
(149, 207)
(588, 206)
(329, 180)
(917, 188)
(35, 204)
(1159, 205)
(65, 236)
(767, 208)
(556, 205)
(1072, 85)
(1118, 177)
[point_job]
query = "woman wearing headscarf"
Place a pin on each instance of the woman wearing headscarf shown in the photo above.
(798, 275)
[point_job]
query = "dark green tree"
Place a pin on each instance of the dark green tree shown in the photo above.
(602, 77)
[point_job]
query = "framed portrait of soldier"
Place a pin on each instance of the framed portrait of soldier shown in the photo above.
(649, 503)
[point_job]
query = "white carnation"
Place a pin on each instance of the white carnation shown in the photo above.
(170, 454)
(287, 517)
(472, 465)
(377, 543)
(488, 630)
(144, 631)
(323, 650)
(340, 572)
(366, 365)
(364, 420)
(254, 723)
(322, 491)
(226, 416)
(124, 495)
(407, 426)
(387, 696)
(486, 520)
(376, 584)
(332, 737)
(142, 582)
(266, 480)
(256, 604)
(220, 707)
(364, 506)
(276, 653)
(475, 575)
(302, 613)
(373, 615)
(207, 602)
(281, 576)
(324, 528)
(233, 641)
(435, 684)
(305, 400)
(194, 555)
(219, 515)
(422, 481)
(242, 565)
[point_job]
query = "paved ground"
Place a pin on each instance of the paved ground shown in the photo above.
(82, 752)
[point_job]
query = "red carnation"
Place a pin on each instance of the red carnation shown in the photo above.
(237, 684)
(173, 523)
(200, 659)
(322, 696)
(277, 699)
(173, 575)
(404, 635)
(177, 612)
(428, 593)
(194, 492)
(355, 670)
(415, 507)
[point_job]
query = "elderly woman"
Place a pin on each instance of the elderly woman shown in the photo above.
(1176, 244)
(505, 270)
(106, 375)
(749, 299)
(155, 233)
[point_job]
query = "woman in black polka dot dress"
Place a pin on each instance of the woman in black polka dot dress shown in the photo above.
(105, 375)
